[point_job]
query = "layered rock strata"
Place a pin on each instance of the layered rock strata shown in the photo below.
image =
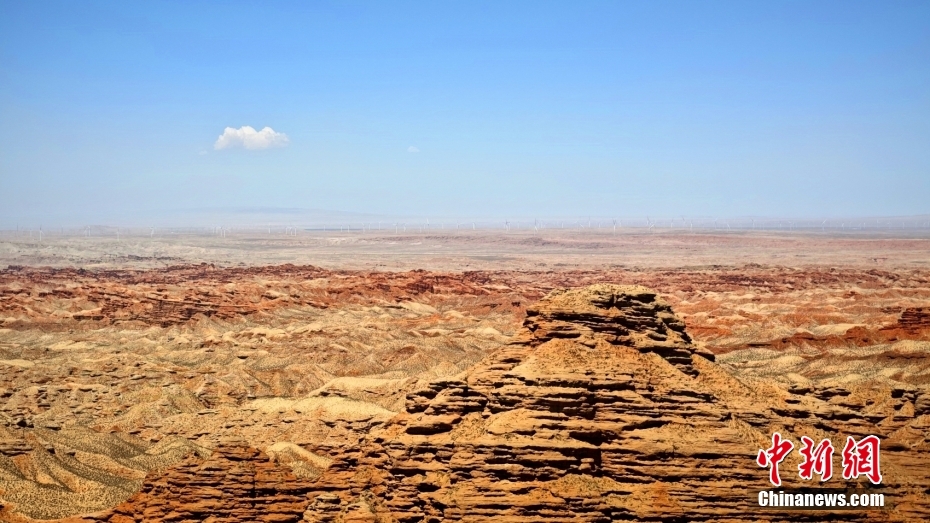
(236, 483)
(602, 409)
(913, 321)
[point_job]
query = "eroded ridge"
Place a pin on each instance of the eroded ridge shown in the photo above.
(599, 408)
(602, 409)
(627, 315)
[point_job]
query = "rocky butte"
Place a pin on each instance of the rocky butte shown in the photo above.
(603, 409)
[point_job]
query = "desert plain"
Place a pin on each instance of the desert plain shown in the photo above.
(455, 375)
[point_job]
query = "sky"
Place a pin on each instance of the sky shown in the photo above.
(138, 111)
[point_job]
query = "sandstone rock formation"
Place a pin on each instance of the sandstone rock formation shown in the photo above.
(236, 484)
(914, 321)
(103, 371)
(101, 383)
(602, 410)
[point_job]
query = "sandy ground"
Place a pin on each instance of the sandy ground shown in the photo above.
(474, 250)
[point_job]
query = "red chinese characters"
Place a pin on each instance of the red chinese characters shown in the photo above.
(862, 459)
(773, 456)
(819, 459)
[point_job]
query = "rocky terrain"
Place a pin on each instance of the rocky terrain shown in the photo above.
(602, 409)
(172, 356)
(285, 393)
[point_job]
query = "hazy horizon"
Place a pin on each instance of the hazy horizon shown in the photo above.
(280, 219)
(156, 113)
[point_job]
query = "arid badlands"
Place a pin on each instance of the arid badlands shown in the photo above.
(581, 375)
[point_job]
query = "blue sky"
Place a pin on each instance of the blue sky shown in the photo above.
(806, 109)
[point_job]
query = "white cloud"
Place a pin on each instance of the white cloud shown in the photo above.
(412, 149)
(247, 137)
